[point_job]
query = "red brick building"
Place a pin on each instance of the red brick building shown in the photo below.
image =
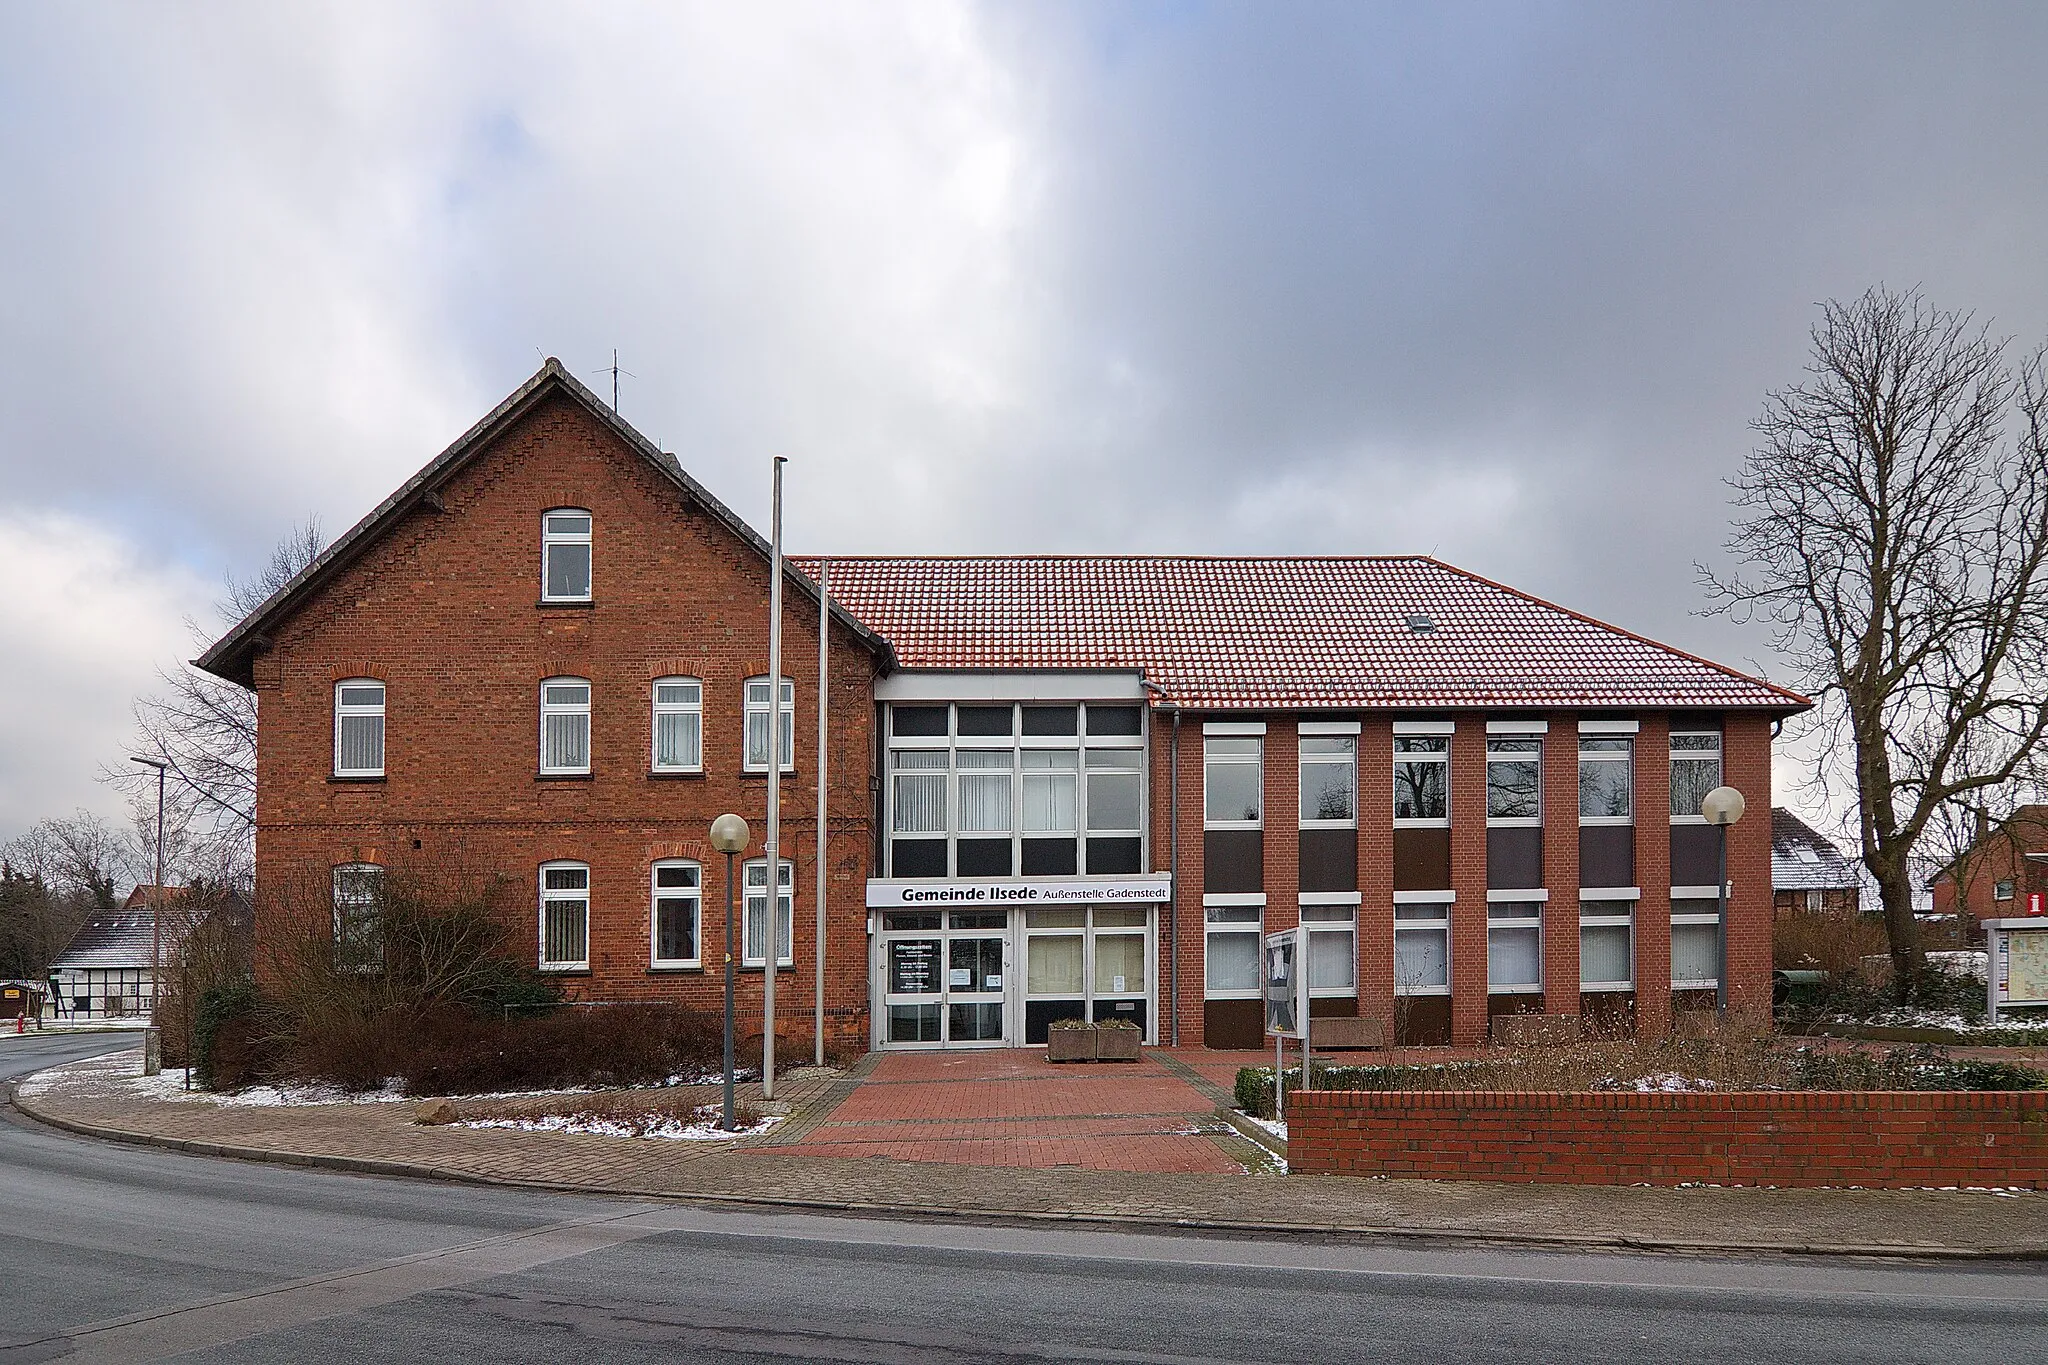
(1059, 786)
(2006, 864)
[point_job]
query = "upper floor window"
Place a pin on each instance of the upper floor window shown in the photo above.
(757, 725)
(565, 555)
(1422, 779)
(1514, 780)
(359, 728)
(1695, 771)
(565, 725)
(1233, 780)
(678, 725)
(755, 929)
(674, 915)
(1329, 779)
(564, 917)
(1607, 787)
(358, 900)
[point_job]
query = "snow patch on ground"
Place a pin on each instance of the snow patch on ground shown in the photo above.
(169, 1085)
(704, 1129)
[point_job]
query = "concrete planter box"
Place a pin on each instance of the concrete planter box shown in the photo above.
(1070, 1045)
(1117, 1044)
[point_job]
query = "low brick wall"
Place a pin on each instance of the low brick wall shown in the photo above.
(1878, 1140)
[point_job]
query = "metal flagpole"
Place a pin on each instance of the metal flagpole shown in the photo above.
(824, 698)
(772, 952)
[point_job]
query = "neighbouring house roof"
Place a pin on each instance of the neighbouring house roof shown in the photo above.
(232, 655)
(1308, 633)
(1802, 859)
(111, 939)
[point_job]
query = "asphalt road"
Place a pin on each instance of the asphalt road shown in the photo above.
(112, 1253)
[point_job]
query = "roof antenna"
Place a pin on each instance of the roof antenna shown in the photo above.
(614, 371)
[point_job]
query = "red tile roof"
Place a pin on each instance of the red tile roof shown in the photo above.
(1278, 633)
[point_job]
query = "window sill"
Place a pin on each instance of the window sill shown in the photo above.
(676, 968)
(1421, 824)
(761, 774)
(1606, 821)
(1329, 824)
(1606, 987)
(354, 780)
(785, 969)
(1233, 824)
(1496, 822)
(1423, 993)
(1688, 819)
(563, 777)
(657, 775)
(1492, 989)
(566, 604)
(564, 971)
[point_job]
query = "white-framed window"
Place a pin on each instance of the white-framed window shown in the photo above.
(1514, 946)
(2002, 890)
(1514, 780)
(564, 916)
(1332, 932)
(1816, 901)
(919, 778)
(1422, 948)
(1233, 781)
(565, 555)
(675, 917)
(1695, 771)
(1606, 779)
(565, 725)
(1329, 781)
(1231, 953)
(1607, 947)
(1695, 941)
(754, 930)
(678, 725)
(1050, 787)
(757, 725)
(1422, 780)
(986, 785)
(1115, 790)
(358, 899)
(359, 728)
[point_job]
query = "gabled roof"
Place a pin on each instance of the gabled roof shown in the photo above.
(231, 656)
(111, 939)
(1280, 633)
(1803, 859)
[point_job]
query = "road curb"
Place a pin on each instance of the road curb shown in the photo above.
(1023, 1217)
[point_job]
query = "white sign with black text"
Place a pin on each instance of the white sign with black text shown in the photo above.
(940, 895)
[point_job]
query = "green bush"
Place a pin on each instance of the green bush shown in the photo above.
(222, 1030)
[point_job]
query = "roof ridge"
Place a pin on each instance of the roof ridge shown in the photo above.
(1545, 602)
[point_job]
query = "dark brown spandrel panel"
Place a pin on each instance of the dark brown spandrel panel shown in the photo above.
(1421, 1020)
(1607, 855)
(1514, 859)
(1608, 1014)
(1422, 860)
(1233, 861)
(1233, 1024)
(1329, 860)
(1694, 855)
(1330, 1007)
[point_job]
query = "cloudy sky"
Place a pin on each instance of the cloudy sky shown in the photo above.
(1502, 283)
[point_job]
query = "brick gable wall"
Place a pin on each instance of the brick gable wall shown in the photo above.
(445, 611)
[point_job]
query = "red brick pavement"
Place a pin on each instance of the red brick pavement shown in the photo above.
(1014, 1108)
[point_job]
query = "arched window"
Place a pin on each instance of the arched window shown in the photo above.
(758, 725)
(678, 725)
(674, 919)
(359, 728)
(564, 917)
(565, 726)
(565, 555)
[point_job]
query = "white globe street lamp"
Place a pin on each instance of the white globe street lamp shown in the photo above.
(1722, 807)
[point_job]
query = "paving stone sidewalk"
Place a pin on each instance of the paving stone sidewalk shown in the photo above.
(381, 1138)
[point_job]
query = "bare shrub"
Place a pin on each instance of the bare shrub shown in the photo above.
(1839, 945)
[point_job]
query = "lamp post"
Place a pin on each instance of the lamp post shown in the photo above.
(1722, 807)
(729, 835)
(156, 892)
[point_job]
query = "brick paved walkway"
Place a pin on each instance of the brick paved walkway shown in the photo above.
(382, 1138)
(1013, 1108)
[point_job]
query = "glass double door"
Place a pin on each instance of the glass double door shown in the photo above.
(943, 978)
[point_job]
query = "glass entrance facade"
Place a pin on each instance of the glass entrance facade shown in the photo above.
(948, 978)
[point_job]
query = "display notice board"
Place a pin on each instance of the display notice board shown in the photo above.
(2018, 953)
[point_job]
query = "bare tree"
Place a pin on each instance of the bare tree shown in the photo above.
(204, 728)
(1894, 527)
